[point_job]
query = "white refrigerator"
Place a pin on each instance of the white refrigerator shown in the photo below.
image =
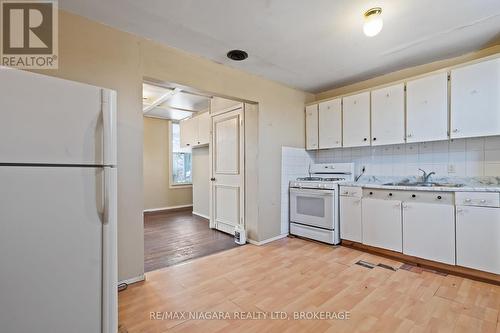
(58, 205)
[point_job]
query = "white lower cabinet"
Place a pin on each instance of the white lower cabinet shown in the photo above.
(478, 238)
(429, 231)
(382, 225)
(350, 219)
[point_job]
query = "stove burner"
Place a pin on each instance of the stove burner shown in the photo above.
(319, 179)
(312, 179)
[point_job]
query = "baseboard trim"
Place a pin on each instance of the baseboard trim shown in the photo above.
(201, 215)
(136, 279)
(269, 240)
(153, 210)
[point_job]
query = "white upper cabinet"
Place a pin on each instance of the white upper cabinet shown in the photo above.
(330, 124)
(356, 120)
(203, 129)
(195, 131)
(388, 115)
(312, 127)
(475, 101)
(427, 108)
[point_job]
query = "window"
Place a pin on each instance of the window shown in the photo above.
(180, 158)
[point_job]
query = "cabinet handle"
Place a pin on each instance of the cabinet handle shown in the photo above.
(374, 139)
(390, 194)
(371, 193)
(467, 200)
(439, 197)
(482, 201)
(455, 130)
(188, 144)
(413, 195)
(212, 179)
(365, 139)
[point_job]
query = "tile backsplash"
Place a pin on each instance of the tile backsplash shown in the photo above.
(294, 163)
(472, 157)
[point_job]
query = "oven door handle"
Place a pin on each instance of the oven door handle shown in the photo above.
(323, 193)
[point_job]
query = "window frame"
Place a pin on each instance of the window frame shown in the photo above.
(171, 183)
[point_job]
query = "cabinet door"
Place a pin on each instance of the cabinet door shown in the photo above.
(388, 115)
(350, 219)
(429, 231)
(475, 106)
(382, 223)
(189, 132)
(312, 126)
(203, 129)
(478, 238)
(356, 120)
(427, 108)
(330, 124)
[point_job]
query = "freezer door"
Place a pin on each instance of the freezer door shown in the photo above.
(49, 120)
(51, 249)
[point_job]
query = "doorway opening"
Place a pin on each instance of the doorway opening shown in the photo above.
(194, 173)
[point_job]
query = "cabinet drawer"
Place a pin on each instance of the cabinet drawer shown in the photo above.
(487, 199)
(351, 191)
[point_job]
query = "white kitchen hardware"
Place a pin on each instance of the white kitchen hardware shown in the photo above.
(427, 108)
(429, 230)
(330, 124)
(381, 223)
(388, 115)
(195, 131)
(487, 199)
(356, 120)
(350, 213)
(474, 99)
(477, 238)
(314, 201)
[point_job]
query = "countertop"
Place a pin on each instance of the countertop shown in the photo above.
(472, 184)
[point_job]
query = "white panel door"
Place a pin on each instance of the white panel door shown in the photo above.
(203, 129)
(49, 120)
(228, 170)
(478, 234)
(312, 127)
(475, 100)
(427, 108)
(356, 120)
(51, 249)
(188, 132)
(330, 124)
(388, 115)
(350, 219)
(429, 231)
(382, 225)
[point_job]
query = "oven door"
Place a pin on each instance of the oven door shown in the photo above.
(312, 207)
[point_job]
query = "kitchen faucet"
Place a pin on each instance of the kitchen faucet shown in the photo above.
(426, 176)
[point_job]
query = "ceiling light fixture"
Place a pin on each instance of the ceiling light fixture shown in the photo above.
(237, 55)
(373, 21)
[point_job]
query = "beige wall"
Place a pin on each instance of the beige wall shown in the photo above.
(201, 181)
(96, 54)
(407, 73)
(156, 168)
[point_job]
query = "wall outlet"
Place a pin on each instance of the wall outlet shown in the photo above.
(451, 168)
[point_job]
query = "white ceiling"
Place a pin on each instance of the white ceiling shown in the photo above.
(310, 45)
(170, 103)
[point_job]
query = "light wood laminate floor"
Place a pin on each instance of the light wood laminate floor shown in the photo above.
(292, 275)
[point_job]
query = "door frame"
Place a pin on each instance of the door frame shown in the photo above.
(242, 106)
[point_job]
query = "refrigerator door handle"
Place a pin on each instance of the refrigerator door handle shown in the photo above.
(108, 105)
(109, 253)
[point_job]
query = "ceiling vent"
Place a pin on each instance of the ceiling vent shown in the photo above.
(237, 55)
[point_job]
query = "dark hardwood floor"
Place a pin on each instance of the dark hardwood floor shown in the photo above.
(173, 237)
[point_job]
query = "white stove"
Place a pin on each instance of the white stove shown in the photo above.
(314, 201)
